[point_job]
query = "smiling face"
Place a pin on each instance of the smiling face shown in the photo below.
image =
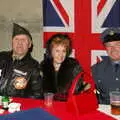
(58, 53)
(113, 50)
(21, 44)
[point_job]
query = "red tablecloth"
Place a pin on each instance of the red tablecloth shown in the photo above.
(60, 110)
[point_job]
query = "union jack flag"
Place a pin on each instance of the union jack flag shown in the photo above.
(83, 20)
(58, 15)
(105, 13)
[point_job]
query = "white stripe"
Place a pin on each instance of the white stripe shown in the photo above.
(20, 72)
(98, 20)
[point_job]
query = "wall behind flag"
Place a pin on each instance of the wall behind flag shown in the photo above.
(26, 13)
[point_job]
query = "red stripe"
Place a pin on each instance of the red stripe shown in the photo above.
(100, 6)
(62, 11)
(98, 60)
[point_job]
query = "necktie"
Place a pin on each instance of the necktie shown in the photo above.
(116, 67)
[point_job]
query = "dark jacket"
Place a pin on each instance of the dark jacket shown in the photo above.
(106, 79)
(27, 67)
(61, 81)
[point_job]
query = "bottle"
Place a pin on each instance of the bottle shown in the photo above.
(5, 102)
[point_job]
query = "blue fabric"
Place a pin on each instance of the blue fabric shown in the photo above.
(32, 114)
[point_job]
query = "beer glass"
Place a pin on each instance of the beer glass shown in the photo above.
(115, 102)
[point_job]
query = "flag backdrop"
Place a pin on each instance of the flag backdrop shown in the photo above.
(83, 20)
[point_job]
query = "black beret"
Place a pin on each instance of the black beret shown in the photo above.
(110, 34)
(17, 30)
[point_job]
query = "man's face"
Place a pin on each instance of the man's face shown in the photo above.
(58, 53)
(21, 44)
(113, 50)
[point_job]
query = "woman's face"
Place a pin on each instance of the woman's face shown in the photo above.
(58, 53)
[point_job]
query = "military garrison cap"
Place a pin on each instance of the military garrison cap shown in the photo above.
(110, 34)
(17, 30)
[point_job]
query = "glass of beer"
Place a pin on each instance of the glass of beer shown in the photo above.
(115, 102)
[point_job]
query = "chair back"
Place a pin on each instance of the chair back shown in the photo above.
(83, 102)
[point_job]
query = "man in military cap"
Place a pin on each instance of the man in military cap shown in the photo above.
(19, 72)
(107, 73)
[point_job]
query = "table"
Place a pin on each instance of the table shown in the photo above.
(60, 110)
(106, 109)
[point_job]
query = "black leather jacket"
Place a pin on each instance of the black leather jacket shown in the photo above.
(27, 67)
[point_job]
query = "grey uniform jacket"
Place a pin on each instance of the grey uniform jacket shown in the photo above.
(106, 79)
